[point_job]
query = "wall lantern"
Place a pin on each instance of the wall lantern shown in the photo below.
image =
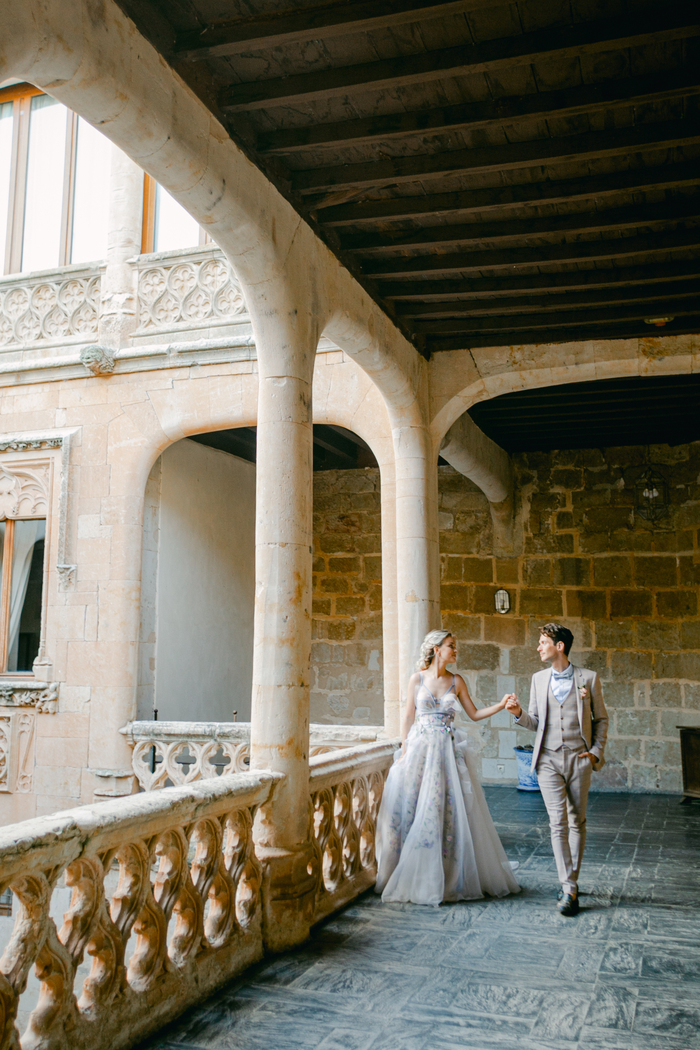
(502, 601)
(651, 495)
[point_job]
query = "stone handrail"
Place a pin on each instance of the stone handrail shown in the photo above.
(346, 789)
(155, 947)
(182, 752)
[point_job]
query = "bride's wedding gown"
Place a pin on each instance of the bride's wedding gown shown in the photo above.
(436, 840)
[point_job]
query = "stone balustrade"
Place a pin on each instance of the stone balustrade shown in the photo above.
(346, 789)
(165, 897)
(166, 902)
(182, 752)
(51, 307)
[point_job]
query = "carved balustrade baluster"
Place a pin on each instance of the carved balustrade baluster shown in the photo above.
(212, 881)
(175, 894)
(242, 864)
(88, 927)
(347, 832)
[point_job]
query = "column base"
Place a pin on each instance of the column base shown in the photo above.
(290, 883)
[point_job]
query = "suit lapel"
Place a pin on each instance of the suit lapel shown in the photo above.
(544, 706)
(578, 683)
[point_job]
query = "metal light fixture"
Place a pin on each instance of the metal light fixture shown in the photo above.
(659, 322)
(651, 495)
(502, 601)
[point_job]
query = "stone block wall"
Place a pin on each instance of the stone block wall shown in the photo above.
(575, 550)
(346, 655)
(579, 552)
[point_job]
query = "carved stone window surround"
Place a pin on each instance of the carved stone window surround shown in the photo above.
(34, 482)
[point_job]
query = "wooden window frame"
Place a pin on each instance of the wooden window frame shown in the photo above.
(21, 96)
(6, 592)
(148, 228)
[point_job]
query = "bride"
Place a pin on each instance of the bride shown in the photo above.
(436, 840)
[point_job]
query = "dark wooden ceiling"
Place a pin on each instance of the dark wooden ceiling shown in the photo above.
(638, 410)
(493, 173)
(334, 447)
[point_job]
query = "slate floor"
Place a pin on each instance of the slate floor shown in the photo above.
(510, 974)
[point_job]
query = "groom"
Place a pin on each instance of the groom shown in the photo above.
(568, 714)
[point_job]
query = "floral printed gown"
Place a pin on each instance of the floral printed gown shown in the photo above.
(435, 837)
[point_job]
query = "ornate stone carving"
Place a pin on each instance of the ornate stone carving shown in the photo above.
(24, 490)
(188, 292)
(5, 751)
(25, 728)
(66, 576)
(180, 752)
(187, 904)
(39, 310)
(346, 789)
(98, 359)
(30, 444)
(43, 698)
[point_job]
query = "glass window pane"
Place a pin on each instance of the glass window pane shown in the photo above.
(91, 195)
(25, 594)
(174, 227)
(5, 169)
(44, 195)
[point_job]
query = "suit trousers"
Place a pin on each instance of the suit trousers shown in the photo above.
(564, 779)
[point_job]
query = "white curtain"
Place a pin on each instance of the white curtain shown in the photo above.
(27, 533)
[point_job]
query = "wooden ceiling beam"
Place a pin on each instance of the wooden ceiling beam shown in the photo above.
(395, 209)
(565, 149)
(320, 22)
(546, 105)
(546, 303)
(436, 290)
(533, 336)
(478, 233)
(509, 258)
(671, 22)
(562, 318)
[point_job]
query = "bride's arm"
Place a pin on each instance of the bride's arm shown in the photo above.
(409, 714)
(477, 714)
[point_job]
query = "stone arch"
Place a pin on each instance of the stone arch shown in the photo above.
(484, 374)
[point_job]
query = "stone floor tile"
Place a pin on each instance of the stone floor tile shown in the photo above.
(612, 1008)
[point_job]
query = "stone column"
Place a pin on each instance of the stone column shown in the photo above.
(119, 305)
(390, 637)
(286, 346)
(417, 545)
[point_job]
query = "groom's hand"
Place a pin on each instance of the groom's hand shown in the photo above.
(589, 754)
(513, 706)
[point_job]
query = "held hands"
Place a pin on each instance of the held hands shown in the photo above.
(510, 702)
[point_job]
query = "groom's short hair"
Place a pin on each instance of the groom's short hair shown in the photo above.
(558, 633)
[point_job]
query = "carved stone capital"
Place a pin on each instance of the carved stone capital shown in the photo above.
(97, 359)
(66, 576)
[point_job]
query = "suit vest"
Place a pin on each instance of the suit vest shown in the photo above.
(563, 728)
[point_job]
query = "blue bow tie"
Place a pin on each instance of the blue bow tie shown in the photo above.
(568, 673)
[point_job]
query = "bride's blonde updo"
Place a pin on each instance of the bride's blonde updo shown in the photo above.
(427, 649)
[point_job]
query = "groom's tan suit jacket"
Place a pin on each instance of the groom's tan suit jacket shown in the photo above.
(592, 715)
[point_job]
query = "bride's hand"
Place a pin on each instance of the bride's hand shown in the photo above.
(506, 699)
